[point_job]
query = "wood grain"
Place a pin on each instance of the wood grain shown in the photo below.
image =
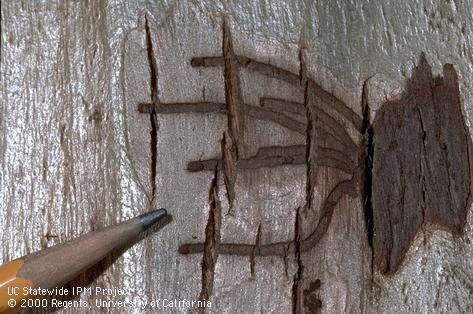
(76, 154)
(421, 165)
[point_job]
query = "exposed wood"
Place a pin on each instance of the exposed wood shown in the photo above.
(255, 124)
(421, 164)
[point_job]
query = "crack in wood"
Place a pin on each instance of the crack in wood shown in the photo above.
(212, 240)
(152, 112)
(297, 279)
(310, 183)
(255, 253)
(229, 166)
(366, 172)
(233, 101)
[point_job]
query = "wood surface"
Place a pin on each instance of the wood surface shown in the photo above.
(249, 121)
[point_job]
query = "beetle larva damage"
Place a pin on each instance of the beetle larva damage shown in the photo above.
(410, 168)
(421, 164)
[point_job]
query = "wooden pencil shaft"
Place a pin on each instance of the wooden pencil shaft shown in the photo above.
(57, 265)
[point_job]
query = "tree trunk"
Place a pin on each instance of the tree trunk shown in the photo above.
(250, 122)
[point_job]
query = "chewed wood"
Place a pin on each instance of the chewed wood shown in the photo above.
(421, 168)
(411, 166)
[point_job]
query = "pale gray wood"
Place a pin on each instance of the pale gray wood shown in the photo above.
(75, 154)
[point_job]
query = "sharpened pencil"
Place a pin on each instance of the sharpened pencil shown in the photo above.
(59, 264)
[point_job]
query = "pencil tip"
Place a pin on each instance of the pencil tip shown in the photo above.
(149, 219)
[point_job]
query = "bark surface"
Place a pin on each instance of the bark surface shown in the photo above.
(249, 122)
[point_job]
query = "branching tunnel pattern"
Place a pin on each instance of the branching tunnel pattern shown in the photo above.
(335, 147)
(329, 144)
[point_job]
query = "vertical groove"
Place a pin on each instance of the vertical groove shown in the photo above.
(152, 63)
(310, 156)
(421, 165)
(233, 99)
(297, 281)
(212, 240)
(256, 250)
(154, 151)
(152, 115)
(233, 103)
(366, 173)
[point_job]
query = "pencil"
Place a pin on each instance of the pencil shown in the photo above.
(59, 264)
